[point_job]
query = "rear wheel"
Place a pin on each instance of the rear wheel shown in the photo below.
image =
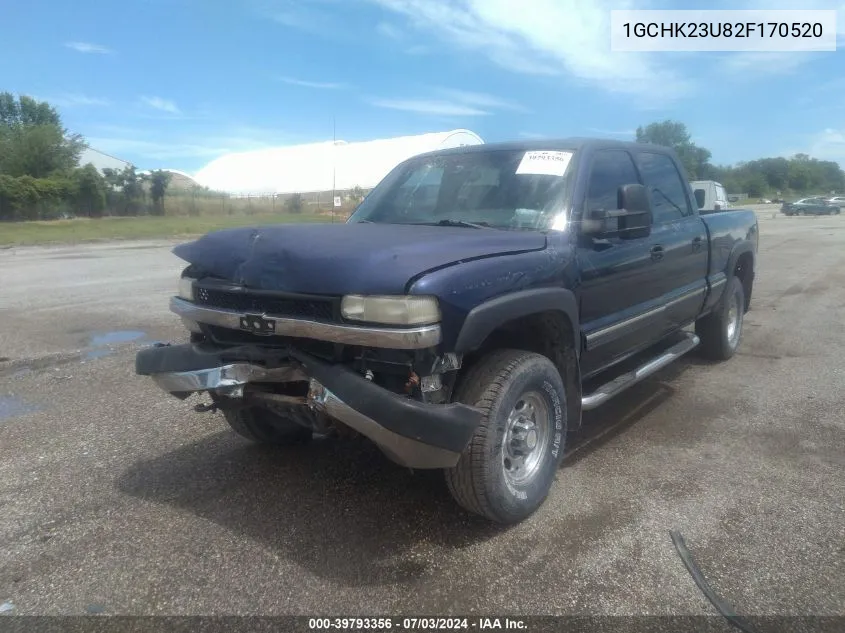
(265, 427)
(508, 468)
(721, 330)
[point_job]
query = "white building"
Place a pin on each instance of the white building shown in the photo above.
(321, 166)
(101, 161)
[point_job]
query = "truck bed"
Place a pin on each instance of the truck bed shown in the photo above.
(724, 230)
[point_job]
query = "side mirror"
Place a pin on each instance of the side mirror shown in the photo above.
(631, 219)
(699, 198)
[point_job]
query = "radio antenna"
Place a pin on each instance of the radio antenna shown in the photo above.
(334, 163)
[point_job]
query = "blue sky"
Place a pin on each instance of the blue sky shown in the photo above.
(176, 83)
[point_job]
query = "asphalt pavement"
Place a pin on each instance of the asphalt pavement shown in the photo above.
(117, 498)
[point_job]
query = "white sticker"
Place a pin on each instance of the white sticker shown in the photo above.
(544, 163)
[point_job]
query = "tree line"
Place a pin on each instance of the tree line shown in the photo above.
(40, 174)
(41, 178)
(781, 177)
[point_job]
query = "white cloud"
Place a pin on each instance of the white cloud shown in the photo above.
(548, 37)
(88, 47)
(429, 107)
(155, 150)
(751, 65)
(480, 99)
(389, 31)
(450, 102)
(177, 151)
(318, 17)
(70, 100)
(319, 85)
(829, 144)
(165, 105)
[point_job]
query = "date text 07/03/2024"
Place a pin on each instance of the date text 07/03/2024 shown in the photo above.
(410, 624)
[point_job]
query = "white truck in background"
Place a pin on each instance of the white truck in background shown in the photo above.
(710, 195)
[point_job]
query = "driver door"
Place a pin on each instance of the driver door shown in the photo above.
(621, 280)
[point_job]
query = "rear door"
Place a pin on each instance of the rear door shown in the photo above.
(679, 239)
(620, 280)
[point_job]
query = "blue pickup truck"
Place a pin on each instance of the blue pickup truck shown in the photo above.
(476, 302)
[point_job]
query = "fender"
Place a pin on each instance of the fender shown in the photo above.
(741, 248)
(721, 276)
(486, 317)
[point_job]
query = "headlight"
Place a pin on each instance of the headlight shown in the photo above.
(402, 310)
(186, 288)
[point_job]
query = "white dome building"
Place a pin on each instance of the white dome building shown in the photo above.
(318, 167)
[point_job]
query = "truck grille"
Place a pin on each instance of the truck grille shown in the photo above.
(226, 336)
(295, 306)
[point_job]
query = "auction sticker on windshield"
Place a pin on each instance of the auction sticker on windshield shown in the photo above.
(544, 163)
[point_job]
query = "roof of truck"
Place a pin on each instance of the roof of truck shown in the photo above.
(556, 144)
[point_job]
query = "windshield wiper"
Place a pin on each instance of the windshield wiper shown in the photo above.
(450, 222)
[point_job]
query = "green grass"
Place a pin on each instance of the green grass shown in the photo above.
(136, 228)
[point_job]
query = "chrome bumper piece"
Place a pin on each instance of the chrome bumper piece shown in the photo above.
(230, 379)
(401, 450)
(224, 378)
(365, 336)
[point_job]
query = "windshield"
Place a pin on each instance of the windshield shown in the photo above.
(501, 189)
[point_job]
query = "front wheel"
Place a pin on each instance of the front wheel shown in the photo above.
(508, 468)
(721, 330)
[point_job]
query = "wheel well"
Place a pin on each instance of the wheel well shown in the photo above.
(550, 334)
(744, 271)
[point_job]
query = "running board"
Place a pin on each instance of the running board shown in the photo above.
(617, 385)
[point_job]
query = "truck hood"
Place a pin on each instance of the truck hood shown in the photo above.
(338, 259)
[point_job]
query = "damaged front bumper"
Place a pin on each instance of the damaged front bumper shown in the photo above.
(411, 433)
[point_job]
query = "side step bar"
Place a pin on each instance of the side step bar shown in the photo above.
(617, 385)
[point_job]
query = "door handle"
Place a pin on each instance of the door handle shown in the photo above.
(697, 243)
(657, 253)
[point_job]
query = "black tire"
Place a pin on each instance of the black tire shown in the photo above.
(718, 340)
(265, 427)
(503, 385)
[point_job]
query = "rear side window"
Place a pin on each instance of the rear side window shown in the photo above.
(665, 185)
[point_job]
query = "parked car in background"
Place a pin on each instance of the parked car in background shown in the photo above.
(765, 201)
(810, 206)
(836, 201)
(710, 195)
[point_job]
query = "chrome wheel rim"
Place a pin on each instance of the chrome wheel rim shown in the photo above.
(734, 324)
(527, 436)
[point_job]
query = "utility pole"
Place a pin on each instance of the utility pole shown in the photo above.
(334, 162)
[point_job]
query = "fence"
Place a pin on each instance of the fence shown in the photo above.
(182, 202)
(200, 202)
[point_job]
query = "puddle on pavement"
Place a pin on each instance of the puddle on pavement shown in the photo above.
(10, 407)
(100, 344)
(98, 353)
(116, 337)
